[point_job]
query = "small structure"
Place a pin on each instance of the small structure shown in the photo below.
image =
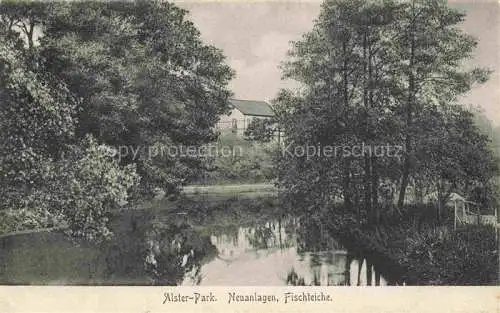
(465, 212)
(242, 113)
(452, 199)
(468, 212)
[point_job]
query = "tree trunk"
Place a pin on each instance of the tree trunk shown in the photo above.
(404, 181)
(347, 185)
(347, 270)
(440, 202)
(31, 40)
(367, 165)
(347, 162)
(367, 190)
(409, 109)
(374, 192)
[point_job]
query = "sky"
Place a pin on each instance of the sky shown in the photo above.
(255, 36)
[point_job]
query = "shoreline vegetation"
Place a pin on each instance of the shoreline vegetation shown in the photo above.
(143, 82)
(427, 255)
(402, 252)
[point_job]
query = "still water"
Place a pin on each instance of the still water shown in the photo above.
(235, 244)
(276, 253)
(252, 249)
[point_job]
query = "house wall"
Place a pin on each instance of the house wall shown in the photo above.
(226, 122)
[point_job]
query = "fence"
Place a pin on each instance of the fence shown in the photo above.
(470, 213)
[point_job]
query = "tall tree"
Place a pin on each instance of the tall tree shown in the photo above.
(343, 64)
(146, 80)
(380, 74)
(431, 49)
(80, 77)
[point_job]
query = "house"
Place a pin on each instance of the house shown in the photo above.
(242, 113)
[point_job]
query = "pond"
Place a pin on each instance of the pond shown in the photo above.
(250, 243)
(209, 243)
(271, 255)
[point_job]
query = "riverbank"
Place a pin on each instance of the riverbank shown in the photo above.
(423, 254)
(405, 251)
(401, 252)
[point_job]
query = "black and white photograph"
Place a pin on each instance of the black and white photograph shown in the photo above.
(249, 143)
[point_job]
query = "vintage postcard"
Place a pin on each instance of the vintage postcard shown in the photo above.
(236, 156)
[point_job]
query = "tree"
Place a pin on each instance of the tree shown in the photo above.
(81, 80)
(454, 156)
(145, 79)
(343, 66)
(23, 18)
(431, 49)
(380, 74)
(262, 130)
(48, 177)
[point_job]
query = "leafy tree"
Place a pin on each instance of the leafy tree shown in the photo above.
(454, 156)
(49, 177)
(36, 121)
(343, 66)
(382, 74)
(79, 79)
(262, 130)
(147, 81)
(431, 48)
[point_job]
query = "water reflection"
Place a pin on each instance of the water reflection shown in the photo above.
(157, 252)
(283, 252)
(171, 250)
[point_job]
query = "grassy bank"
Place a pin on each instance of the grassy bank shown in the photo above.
(441, 256)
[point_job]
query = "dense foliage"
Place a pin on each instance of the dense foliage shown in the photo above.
(261, 130)
(236, 160)
(147, 81)
(380, 82)
(465, 257)
(93, 95)
(382, 75)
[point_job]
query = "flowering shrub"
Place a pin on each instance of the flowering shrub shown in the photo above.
(48, 176)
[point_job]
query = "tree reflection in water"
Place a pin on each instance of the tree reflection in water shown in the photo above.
(174, 251)
(277, 251)
(329, 262)
(150, 251)
(273, 234)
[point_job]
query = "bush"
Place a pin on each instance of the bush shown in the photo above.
(94, 185)
(423, 253)
(78, 191)
(250, 162)
(465, 257)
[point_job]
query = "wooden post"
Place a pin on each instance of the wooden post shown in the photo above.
(478, 215)
(279, 138)
(455, 219)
